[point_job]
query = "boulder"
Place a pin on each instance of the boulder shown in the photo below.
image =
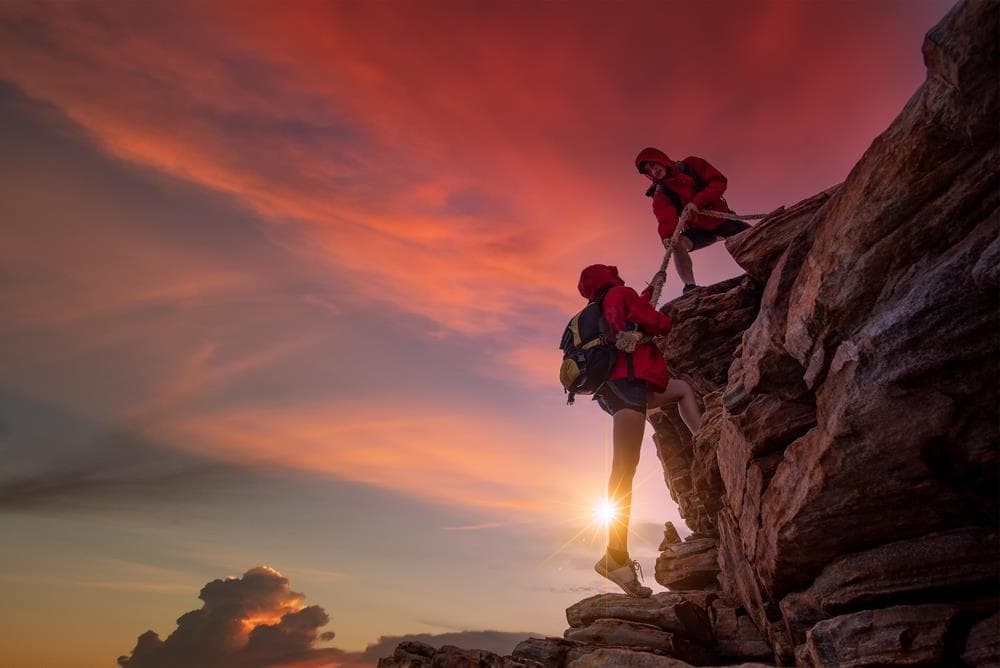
(413, 654)
(956, 563)
(707, 326)
(706, 483)
(640, 636)
(982, 646)
(550, 651)
(736, 636)
(669, 611)
(674, 448)
(409, 654)
(758, 249)
(692, 564)
(625, 658)
(670, 536)
(741, 583)
(901, 635)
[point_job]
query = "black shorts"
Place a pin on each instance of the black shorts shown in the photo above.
(615, 395)
(701, 238)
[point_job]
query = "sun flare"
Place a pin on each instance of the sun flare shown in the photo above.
(604, 512)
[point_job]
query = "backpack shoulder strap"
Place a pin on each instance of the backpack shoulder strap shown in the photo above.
(684, 168)
(674, 198)
(601, 294)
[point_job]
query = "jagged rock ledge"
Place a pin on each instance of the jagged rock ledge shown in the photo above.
(847, 471)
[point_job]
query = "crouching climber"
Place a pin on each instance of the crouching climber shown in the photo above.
(675, 185)
(638, 382)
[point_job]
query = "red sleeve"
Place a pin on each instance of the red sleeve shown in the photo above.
(666, 214)
(639, 311)
(715, 182)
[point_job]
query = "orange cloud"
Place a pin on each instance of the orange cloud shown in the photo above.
(468, 460)
(429, 168)
(384, 203)
(252, 620)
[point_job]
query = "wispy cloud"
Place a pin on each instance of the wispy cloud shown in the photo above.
(474, 527)
(116, 584)
(415, 447)
(123, 465)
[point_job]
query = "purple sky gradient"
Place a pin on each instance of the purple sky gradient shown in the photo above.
(283, 284)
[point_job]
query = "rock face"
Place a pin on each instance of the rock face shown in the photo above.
(847, 467)
(413, 654)
(844, 487)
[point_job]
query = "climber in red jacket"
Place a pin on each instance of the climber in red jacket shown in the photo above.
(677, 184)
(639, 382)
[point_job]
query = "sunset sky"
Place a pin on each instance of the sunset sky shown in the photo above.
(282, 285)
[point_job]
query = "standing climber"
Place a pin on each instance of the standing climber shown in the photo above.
(676, 184)
(639, 382)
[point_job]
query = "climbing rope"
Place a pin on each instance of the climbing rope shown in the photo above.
(627, 341)
(660, 277)
(734, 216)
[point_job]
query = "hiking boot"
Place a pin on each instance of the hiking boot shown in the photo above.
(688, 287)
(624, 575)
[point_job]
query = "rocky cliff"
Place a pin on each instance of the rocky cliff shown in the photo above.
(843, 491)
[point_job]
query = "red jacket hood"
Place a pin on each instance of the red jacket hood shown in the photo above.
(596, 277)
(650, 154)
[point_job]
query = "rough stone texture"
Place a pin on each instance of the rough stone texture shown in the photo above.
(670, 536)
(706, 483)
(644, 636)
(982, 647)
(757, 250)
(708, 324)
(856, 442)
(692, 564)
(550, 651)
(626, 658)
(412, 654)
(677, 456)
(860, 408)
(675, 451)
(961, 564)
(896, 338)
(409, 654)
(669, 611)
(906, 634)
(736, 636)
(740, 583)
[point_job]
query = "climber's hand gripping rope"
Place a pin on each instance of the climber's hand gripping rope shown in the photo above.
(627, 341)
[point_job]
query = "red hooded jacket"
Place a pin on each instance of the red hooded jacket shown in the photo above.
(621, 306)
(707, 197)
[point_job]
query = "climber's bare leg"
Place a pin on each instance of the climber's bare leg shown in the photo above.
(682, 260)
(680, 393)
(629, 426)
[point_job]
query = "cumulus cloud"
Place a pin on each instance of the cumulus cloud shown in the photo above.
(255, 620)
(258, 621)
